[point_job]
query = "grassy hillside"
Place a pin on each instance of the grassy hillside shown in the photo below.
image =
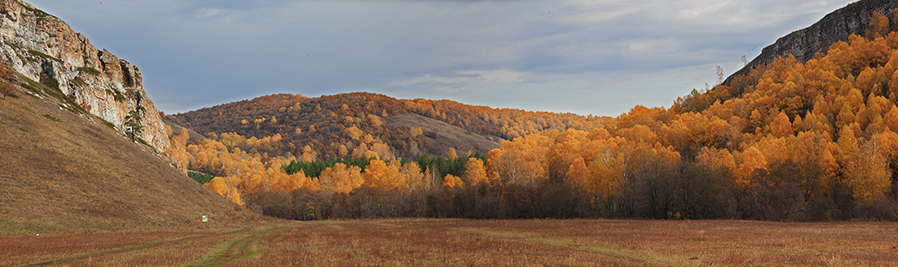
(441, 136)
(68, 171)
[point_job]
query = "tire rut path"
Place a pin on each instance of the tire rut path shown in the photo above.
(131, 248)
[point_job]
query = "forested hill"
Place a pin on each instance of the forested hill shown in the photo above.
(335, 126)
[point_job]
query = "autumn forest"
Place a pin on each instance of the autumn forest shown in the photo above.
(789, 141)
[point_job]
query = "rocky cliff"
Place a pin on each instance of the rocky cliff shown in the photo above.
(42, 47)
(836, 26)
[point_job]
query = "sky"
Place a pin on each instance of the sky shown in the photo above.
(596, 57)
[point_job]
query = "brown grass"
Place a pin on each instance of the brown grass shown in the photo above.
(583, 242)
(64, 172)
(447, 135)
(451, 242)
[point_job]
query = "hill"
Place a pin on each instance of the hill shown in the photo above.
(327, 123)
(64, 162)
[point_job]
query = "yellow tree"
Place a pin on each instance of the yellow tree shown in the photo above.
(177, 153)
(361, 151)
(309, 154)
(340, 179)
(342, 151)
(281, 181)
(880, 26)
(381, 175)
(382, 151)
(475, 173)
(451, 153)
(865, 166)
(719, 160)
(578, 173)
(750, 161)
(510, 167)
(605, 174)
(452, 182)
(412, 176)
(254, 182)
(218, 185)
(781, 126)
(226, 188)
(815, 167)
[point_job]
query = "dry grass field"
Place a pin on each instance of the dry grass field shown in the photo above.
(451, 242)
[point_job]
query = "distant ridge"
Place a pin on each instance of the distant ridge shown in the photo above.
(324, 123)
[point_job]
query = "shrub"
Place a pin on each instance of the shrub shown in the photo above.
(201, 178)
(6, 74)
(6, 89)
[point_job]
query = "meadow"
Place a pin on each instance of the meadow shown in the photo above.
(460, 242)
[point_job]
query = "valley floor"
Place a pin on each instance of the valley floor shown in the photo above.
(441, 242)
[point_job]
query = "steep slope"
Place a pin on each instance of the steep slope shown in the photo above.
(61, 169)
(44, 49)
(64, 163)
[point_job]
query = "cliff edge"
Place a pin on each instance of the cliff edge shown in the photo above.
(855, 18)
(44, 49)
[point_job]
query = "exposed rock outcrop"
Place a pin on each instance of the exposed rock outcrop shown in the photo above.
(836, 26)
(41, 46)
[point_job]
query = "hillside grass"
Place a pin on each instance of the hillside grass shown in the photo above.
(67, 172)
(443, 135)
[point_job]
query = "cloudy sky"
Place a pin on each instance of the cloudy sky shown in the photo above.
(596, 57)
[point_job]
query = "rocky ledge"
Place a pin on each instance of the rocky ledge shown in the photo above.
(836, 26)
(42, 47)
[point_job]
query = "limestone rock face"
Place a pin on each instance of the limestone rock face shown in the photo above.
(836, 26)
(41, 46)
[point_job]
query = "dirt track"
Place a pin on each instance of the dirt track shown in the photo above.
(236, 244)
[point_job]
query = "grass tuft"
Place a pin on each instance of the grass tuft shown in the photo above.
(79, 82)
(107, 123)
(12, 44)
(48, 116)
(89, 70)
(45, 56)
(116, 95)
